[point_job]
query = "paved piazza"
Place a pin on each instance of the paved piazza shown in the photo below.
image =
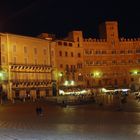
(81, 122)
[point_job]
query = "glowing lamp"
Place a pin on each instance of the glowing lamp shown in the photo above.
(135, 72)
(60, 74)
(66, 83)
(72, 83)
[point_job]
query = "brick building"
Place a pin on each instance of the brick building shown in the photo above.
(35, 67)
(109, 61)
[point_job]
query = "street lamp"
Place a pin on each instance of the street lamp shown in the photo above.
(3, 78)
(59, 79)
(135, 85)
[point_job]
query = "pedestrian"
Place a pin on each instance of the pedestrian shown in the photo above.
(63, 104)
(37, 110)
(40, 111)
(119, 101)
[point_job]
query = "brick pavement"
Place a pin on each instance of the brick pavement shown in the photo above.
(84, 122)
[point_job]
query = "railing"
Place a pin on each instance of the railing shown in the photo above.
(30, 68)
(30, 83)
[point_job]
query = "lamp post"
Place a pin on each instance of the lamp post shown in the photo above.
(60, 75)
(3, 78)
(135, 82)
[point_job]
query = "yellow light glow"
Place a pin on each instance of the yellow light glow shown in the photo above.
(104, 90)
(66, 83)
(72, 83)
(97, 74)
(60, 74)
(1, 74)
(79, 74)
(135, 72)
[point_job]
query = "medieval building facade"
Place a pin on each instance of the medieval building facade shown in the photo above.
(109, 61)
(31, 66)
(25, 67)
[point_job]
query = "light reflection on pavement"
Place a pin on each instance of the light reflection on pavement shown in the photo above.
(86, 122)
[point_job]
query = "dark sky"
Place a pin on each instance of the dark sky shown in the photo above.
(32, 17)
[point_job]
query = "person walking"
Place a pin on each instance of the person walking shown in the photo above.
(37, 110)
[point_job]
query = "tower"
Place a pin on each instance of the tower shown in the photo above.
(109, 31)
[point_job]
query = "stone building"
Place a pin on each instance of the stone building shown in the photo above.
(34, 67)
(109, 61)
(25, 67)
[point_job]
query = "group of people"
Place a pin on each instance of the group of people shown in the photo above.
(39, 111)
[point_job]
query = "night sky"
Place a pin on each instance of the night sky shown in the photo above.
(32, 17)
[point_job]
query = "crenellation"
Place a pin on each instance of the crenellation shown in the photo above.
(36, 60)
(129, 39)
(94, 40)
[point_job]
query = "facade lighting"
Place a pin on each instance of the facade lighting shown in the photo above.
(72, 83)
(60, 74)
(96, 74)
(66, 83)
(135, 72)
